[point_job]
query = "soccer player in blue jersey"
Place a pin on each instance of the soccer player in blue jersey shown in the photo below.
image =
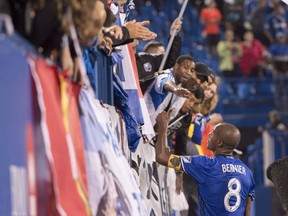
(225, 184)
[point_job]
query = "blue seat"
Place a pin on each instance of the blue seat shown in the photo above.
(265, 88)
(146, 11)
(185, 51)
(200, 54)
(157, 22)
(243, 90)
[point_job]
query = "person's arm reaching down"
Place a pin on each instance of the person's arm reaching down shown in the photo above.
(163, 155)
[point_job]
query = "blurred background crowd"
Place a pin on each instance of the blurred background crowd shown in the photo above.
(253, 82)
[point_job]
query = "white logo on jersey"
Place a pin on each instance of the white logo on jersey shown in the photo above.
(147, 67)
(186, 159)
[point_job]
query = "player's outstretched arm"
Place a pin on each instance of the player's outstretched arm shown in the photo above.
(248, 206)
(163, 155)
(170, 86)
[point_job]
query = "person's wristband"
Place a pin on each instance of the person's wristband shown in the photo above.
(179, 171)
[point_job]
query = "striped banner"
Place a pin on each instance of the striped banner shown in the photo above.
(130, 80)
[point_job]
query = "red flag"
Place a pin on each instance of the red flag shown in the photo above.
(59, 147)
(69, 101)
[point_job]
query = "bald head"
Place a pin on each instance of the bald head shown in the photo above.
(229, 134)
(215, 119)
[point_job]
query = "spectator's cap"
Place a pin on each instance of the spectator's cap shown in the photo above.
(202, 69)
(212, 73)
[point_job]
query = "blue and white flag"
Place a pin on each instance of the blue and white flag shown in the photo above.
(130, 81)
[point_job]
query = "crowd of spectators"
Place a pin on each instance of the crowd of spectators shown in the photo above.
(256, 29)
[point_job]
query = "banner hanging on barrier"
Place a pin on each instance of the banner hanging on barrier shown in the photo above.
(15, 116)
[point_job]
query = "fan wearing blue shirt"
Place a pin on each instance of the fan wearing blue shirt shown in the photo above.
(225, 184)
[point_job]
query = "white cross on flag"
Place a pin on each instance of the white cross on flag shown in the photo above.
(285, 1)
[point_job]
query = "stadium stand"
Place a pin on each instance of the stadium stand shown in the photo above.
(254, 97)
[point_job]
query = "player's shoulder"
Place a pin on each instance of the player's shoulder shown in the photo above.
(248, 170)
(165, 74)
(205, 160)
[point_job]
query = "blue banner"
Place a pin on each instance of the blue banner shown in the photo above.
(15, 116)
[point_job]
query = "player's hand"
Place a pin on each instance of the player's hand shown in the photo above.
(137, 30)
(176, 25)
(114, 32)
(181, 92)
(105, 43)
(162, 121)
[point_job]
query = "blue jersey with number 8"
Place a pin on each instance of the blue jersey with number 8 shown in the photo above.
(224, 184)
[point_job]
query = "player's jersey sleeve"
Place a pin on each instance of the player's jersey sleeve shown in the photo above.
(197, 166)
(160, 81)
(197, 133)
(252, 189)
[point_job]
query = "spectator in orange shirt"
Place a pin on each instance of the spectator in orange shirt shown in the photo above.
(211, 19)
